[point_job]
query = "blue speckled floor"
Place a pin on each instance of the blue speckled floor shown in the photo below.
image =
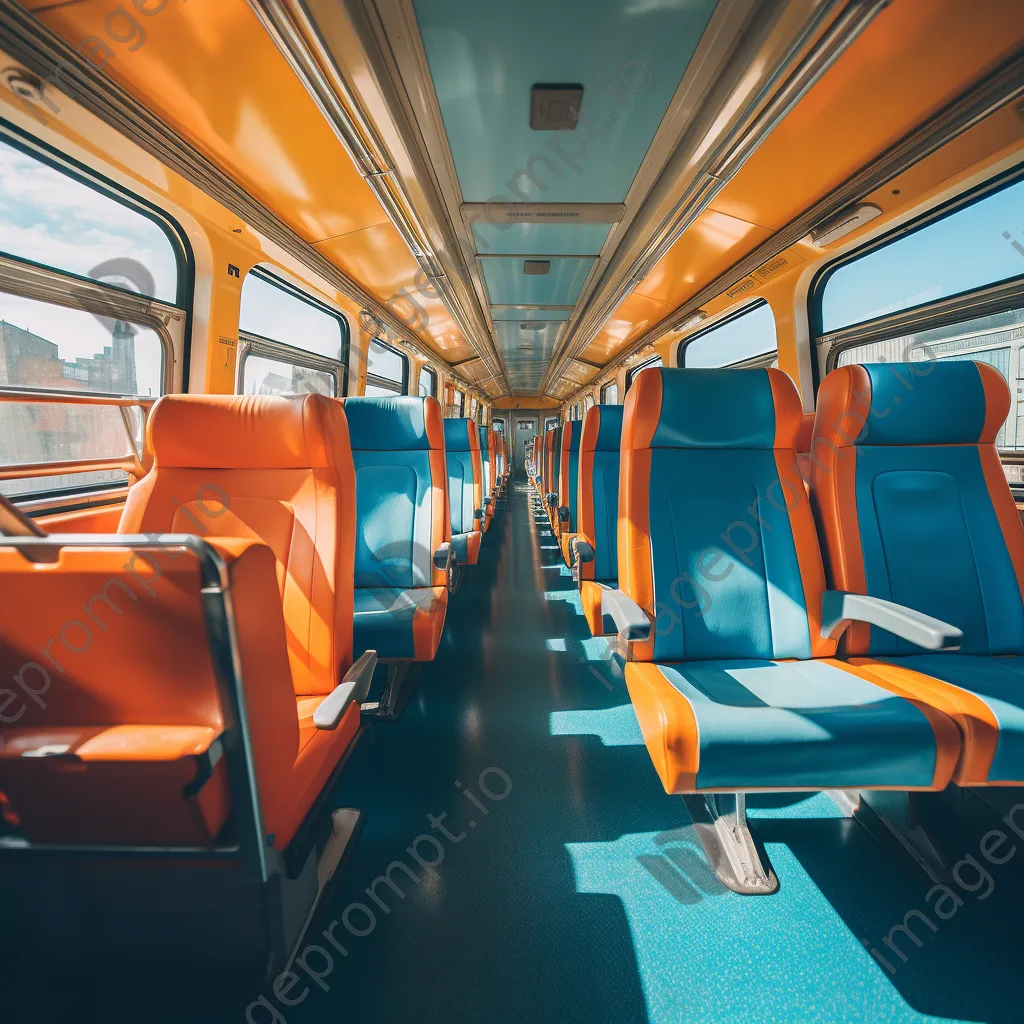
(580, 894)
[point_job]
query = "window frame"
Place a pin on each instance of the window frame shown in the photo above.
(250, 343)
(171, 322)
(987, 299)
(432, 373)
(764, 359)
(605, 388)
(655, 360)
(184, 258)
(551, 423)
(386, 382)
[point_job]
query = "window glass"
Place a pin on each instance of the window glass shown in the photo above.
(62, 349)
(379, 390)
(610, 394)
(498, 426)
(386, 364)
(631, 376)
(274, 311)
(995, 339)
(49, 217)
(588, 403)
(428, 383)
(41, 432)
(745, 337)
(975, 246)
(63, 483)
(458, 404)
(264, 376)
(550, 423)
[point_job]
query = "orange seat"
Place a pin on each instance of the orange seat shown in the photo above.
(127, 740)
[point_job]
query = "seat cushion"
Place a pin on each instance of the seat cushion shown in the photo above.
(763, 725)
(591, 596)
(983, 695)
(400, 623)
(467, 547)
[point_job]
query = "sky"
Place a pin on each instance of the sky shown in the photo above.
(749, 335)
(50, 218)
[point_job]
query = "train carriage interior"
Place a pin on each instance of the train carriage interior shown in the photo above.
(511, 512)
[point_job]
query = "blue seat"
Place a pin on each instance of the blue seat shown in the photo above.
(733, 683)
(402, 525)
(598, 511)
(465, 488)
(916, 509)
(568, 478)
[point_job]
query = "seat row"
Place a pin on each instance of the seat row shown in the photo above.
(863, 632)
(195, 682)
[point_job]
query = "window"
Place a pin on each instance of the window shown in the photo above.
(550, 423)
(976, 245)
(458, 404)
(588, 403)
(610, 394)
(291, 343)
(387, 370)
(498, 426)
(575, 411)
(631, 375)
(275, 311)
(428, 382)
(744, 339)
(122, 272)
(52, 218)
(926, 292)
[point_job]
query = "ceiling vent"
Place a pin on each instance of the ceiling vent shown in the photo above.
(553, 107)
(535, 268)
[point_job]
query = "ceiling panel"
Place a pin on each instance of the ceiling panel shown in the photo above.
(628, 55)
(508, 283)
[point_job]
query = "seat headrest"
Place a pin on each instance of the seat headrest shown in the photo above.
(602, 429)
(715, 408)
(399, 424)
(571, 434)
(244, 431)
(460, 435)
(913, 403)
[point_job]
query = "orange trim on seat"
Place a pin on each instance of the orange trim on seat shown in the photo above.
(844, 401)
(789, 412)
(668, 724)
(590, 600)
(428, 625)
(640, 417)
(967, 760)
(1005, 508)
(997, 402)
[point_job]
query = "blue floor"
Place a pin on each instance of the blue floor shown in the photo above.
(582, 895)
(539, 873)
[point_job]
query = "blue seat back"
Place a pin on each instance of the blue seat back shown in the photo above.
(913, 500)
(398, 450)
(462, 453)
(598, 490)
(716, 537)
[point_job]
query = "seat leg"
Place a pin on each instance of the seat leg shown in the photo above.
(401, 676)
(889, 816)
(720, 820)
(345, 822)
